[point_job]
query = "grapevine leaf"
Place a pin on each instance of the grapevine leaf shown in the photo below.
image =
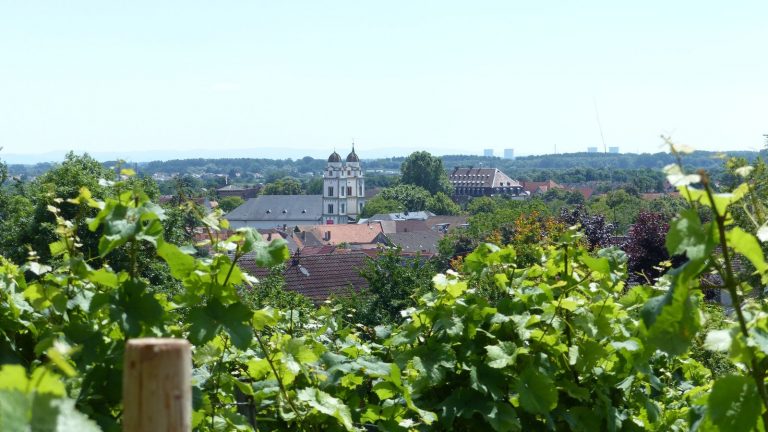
(501, 355)
(671, 320)
(503, 417)
(264, 317)
(270, 254)
(688, 236)
(180, 263)
(327, 404)
(207, 322)
(538, 394)
(734, 404)
(747, 245)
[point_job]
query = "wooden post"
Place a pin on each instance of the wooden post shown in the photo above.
(157, 386)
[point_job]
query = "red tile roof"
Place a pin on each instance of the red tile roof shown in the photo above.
(347, 233)
(318, 276)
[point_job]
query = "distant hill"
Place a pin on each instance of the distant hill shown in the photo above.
(519, 167)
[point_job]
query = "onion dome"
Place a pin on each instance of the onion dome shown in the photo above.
(334, 157)
(352, 157)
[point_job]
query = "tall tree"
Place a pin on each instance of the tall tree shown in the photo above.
(426, 171)
(283, 186)
(413, 198)
(442, 204)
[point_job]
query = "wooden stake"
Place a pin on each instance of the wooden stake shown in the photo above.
(157, 386)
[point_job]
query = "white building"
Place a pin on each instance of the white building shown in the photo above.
(509, 153)
(614, 150)
(488, 152)
(343, 189)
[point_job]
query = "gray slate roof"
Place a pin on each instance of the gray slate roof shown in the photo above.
(415, 215)
(279, 208)
(416, 241)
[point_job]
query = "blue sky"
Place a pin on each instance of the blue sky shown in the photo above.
(295, 78)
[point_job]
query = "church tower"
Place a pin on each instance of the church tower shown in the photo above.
(343, 189)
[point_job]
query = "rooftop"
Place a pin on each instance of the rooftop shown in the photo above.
(318, 276)
(279, 208)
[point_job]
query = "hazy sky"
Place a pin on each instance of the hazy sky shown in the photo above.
(302, 77)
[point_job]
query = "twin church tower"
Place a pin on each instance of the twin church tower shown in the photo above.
(343, 189)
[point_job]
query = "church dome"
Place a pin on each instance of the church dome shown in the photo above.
(352, 157)
(334, 157)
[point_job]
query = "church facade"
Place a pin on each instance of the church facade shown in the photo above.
(343, 189)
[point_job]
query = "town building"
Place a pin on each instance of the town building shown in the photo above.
(319, 276)
(353, 236)
(343, 189)
(477, 182)
(509, 153)
(488, 152)
(277, 211)
(244, 192)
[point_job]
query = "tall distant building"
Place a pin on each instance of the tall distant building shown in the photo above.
(509, 153)
(488, 152)
(343, 189)
(591, 149)
(613, 150)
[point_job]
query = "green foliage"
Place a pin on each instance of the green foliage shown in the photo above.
(381, 205)
(283, 186)
(507, 343)
(423, 170)
(227, 204)
(442, 204)
(394, 284)
(413, 198)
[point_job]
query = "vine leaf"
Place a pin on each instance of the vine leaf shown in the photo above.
(734, 404)
(538, 394)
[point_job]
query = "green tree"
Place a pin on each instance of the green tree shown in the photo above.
(395, 283)
(483, 205)
(227, 204)
(314, 186)
(413, 198)
(426, 171)
(63, 182)
(442, 204)
(283, 186)
(380, 205)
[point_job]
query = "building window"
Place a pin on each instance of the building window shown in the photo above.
(330, 173)
(360, 190)
(349, 173)
(330, 208)
(341, 191)
(330, 190)
(343, 207)
(349, 190)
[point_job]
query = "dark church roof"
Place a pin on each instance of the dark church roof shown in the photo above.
(334, 157)
(352, 157)
(279, 208)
